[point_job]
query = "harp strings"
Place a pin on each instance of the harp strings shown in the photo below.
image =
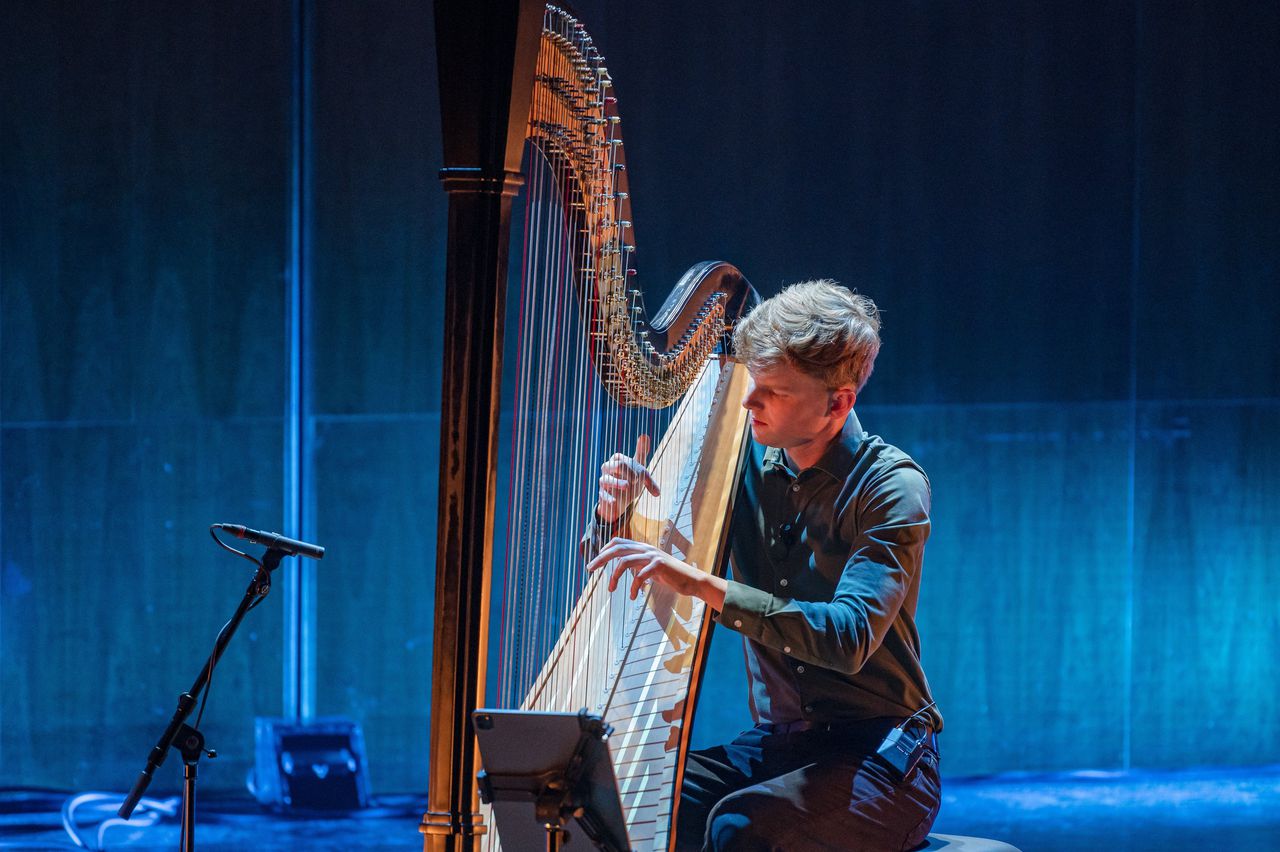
(565, 423)
(582, 380)
(601, 623)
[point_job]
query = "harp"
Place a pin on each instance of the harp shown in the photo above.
(527, 111)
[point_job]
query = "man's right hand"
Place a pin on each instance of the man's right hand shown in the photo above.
(622, 478)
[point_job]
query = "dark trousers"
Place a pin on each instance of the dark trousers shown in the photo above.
(775, 789)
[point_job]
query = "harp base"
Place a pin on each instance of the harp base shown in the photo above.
(457, 825)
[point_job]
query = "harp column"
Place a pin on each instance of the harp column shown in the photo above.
(486, 51)
(472, 368)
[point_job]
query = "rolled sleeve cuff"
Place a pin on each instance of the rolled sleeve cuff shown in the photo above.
(745, 608)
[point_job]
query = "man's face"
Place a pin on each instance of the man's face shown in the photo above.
(789, 409)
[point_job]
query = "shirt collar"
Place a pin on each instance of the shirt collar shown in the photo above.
(837, 461)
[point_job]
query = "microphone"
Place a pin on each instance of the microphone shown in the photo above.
(275, 541)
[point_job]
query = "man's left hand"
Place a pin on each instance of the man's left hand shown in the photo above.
(648, 563)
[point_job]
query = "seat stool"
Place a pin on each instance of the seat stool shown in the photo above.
(956, 843)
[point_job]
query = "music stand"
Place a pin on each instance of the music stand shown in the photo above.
(540, 770)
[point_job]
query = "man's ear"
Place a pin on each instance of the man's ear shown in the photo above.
(842, 400)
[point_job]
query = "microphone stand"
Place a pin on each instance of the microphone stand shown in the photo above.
(179, 735)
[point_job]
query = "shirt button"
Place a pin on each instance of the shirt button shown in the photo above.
(808, 708)
(786, 649)
(737, 622)
(800, 669)
(783, 582)
(795, 486)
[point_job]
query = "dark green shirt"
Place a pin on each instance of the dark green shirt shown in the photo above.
(826, 576)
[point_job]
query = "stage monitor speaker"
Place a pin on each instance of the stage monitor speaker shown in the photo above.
(318, 766)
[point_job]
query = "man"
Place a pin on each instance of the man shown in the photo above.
(826, 544)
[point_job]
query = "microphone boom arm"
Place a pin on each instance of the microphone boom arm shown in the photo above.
(258, 588)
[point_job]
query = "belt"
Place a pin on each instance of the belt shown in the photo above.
(882, 725)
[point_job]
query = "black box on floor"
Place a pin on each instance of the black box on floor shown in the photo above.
(319, 765)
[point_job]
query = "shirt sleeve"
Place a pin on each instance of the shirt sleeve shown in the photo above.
(598, 533)
(888, 536)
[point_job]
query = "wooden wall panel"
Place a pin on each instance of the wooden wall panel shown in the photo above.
(144, 237)
(143, 166)
(968, 165)
(1206, 624)
(378, 212)
(1026, 586)
(113, 594)
(1207, 281)
(377, 261)
(375, 510)
(1207, 370)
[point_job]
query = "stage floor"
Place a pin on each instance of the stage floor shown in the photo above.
(1209, 809)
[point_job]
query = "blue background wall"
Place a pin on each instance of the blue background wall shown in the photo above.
(1067, 212)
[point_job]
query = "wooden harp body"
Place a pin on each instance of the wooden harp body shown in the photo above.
(540, 387)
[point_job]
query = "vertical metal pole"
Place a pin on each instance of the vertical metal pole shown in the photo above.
(1131, 517)
(299, 585)
(188, 839)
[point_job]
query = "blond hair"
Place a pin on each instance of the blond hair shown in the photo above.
(819, 327)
